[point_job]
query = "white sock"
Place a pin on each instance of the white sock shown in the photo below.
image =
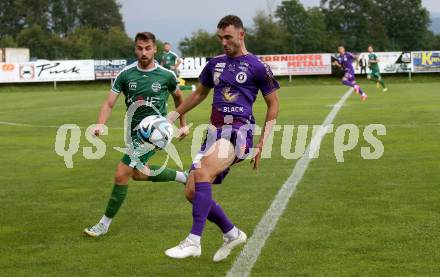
(181, 177)
(233, 233)
(194, 238)
(106, 221)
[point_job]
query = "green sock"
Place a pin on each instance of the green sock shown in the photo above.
(382, 82)
(116, 199)
(166, 175)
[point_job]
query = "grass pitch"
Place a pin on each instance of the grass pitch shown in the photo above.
(357, 218)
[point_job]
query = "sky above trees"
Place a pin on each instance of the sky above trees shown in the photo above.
(178, 19)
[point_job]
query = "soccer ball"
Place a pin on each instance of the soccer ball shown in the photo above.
(155, 130)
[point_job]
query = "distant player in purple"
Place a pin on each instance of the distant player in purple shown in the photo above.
(345, 61)
(236, 78)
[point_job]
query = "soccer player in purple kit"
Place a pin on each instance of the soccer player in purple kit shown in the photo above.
(345, 61)
(236, 77)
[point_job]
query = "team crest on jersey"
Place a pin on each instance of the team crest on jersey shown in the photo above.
(244, 66)
(132, 86)
(241, 77)
(228, 95)
(156, 86)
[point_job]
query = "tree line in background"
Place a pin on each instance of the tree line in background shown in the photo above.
(82, 29)
(390, 25)
(65, 29)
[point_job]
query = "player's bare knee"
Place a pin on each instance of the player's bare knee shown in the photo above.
(138, 176)
(202, 174)
(122, 177)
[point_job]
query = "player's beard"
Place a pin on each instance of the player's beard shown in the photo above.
(232, 50)
(145, 62)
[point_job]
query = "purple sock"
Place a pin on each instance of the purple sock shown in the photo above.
(202, 203)
(361, 91)
(218, 216)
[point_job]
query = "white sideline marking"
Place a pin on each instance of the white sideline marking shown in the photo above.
(26, 125)
(43, 126)
(249, 255)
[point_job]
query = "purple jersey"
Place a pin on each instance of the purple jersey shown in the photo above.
(346, 61)
(236, 82)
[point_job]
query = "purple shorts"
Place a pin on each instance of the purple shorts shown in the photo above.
(241, 138)
(349, 77)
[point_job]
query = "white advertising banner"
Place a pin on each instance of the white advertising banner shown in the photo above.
(389, 62)
(299, 64)
(47, 71)
(43, 71)
(8, 73)
(191, 67)
(108, 69)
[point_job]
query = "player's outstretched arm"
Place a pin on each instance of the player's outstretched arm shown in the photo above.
(178, 100)
(106, 110)
(272, 103)
(335, 63)
(352, 56)
(190, 102)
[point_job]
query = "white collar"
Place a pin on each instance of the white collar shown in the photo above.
(146, 70)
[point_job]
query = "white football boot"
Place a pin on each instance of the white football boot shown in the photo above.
(95, 231)
(229, 244)
(186, 248)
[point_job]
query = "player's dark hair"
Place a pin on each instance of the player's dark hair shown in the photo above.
(230, 20)
(166, 43)
(146, 36)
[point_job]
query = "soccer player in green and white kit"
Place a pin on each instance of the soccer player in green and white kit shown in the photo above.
(169, 59)
(375, 75)
(148, 83)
